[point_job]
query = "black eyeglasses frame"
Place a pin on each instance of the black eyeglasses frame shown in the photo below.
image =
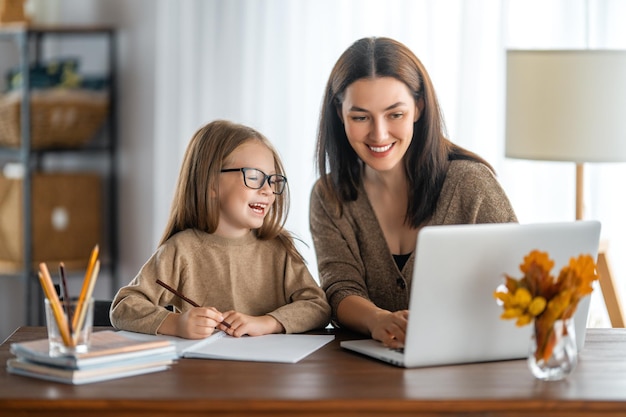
(269, 178)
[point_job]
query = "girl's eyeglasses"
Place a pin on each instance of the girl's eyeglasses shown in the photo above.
(255, 179)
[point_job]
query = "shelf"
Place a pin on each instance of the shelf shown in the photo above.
(12, 29)
(29, 41)
(95, 148)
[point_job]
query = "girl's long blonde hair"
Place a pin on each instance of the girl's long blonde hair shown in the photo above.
(194, 207)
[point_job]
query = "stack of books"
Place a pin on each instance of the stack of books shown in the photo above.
(111, 355)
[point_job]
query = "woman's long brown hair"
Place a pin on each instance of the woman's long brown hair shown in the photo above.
(427, 158)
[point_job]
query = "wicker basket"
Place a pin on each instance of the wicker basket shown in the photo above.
(60, 118)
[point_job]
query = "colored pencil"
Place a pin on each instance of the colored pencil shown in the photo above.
(180, 295)
(55, 304)
(86, 284)
(81, 308)
(66, 297)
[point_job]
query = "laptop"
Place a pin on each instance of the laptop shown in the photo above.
(453, 316)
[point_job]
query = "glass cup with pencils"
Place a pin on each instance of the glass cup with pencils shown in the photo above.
(69, 321)
(69, 338)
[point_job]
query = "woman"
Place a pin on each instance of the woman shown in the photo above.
(387, 170)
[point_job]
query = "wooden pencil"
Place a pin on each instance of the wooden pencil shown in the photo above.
(86, 283)
(182, 296)
(66, 297)
(81, 308)
(55, 304)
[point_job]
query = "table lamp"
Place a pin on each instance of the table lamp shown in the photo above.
(569, 105)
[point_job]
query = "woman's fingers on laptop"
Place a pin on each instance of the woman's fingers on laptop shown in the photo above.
(391, 329)
(394, 340)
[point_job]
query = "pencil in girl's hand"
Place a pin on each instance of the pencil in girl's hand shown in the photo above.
(176, 292)
(179, 294)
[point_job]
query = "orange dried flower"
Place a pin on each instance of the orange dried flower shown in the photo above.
(538, 296)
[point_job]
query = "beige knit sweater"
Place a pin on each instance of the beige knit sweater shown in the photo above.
(352, 253)
(249, 275)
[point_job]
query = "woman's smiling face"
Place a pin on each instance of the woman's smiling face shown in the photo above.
(378, 116)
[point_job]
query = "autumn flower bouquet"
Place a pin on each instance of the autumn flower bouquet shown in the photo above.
(546, 299)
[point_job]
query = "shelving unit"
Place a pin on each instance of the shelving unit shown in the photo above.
(29, 41)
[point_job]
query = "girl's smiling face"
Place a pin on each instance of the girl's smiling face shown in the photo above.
(378, 116)
(242, 208)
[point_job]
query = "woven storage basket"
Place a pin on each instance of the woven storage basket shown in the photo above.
(60, 118)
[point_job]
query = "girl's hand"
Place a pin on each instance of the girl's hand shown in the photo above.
(390, 328)
(243, 324)
(196, 323)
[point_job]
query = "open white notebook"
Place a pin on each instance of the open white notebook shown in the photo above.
(286, 348)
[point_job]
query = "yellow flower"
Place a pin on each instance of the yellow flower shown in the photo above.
(520, 304)
(537, 306)
(511, 313)
(523, 320)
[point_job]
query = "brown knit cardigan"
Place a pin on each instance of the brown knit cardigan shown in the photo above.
(352, 254)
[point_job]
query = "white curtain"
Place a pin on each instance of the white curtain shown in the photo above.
(265, 63)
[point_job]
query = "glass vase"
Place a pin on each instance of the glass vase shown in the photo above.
(553, 354)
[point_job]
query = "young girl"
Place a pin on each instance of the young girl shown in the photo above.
(225, 249)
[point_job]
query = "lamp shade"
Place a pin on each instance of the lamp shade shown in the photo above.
(566, 105)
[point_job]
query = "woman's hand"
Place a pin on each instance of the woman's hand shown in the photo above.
(390, 328)
(363, 316)
(243, 324)
(196, 323)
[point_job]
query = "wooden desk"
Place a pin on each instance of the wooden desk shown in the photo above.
(333, 382)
